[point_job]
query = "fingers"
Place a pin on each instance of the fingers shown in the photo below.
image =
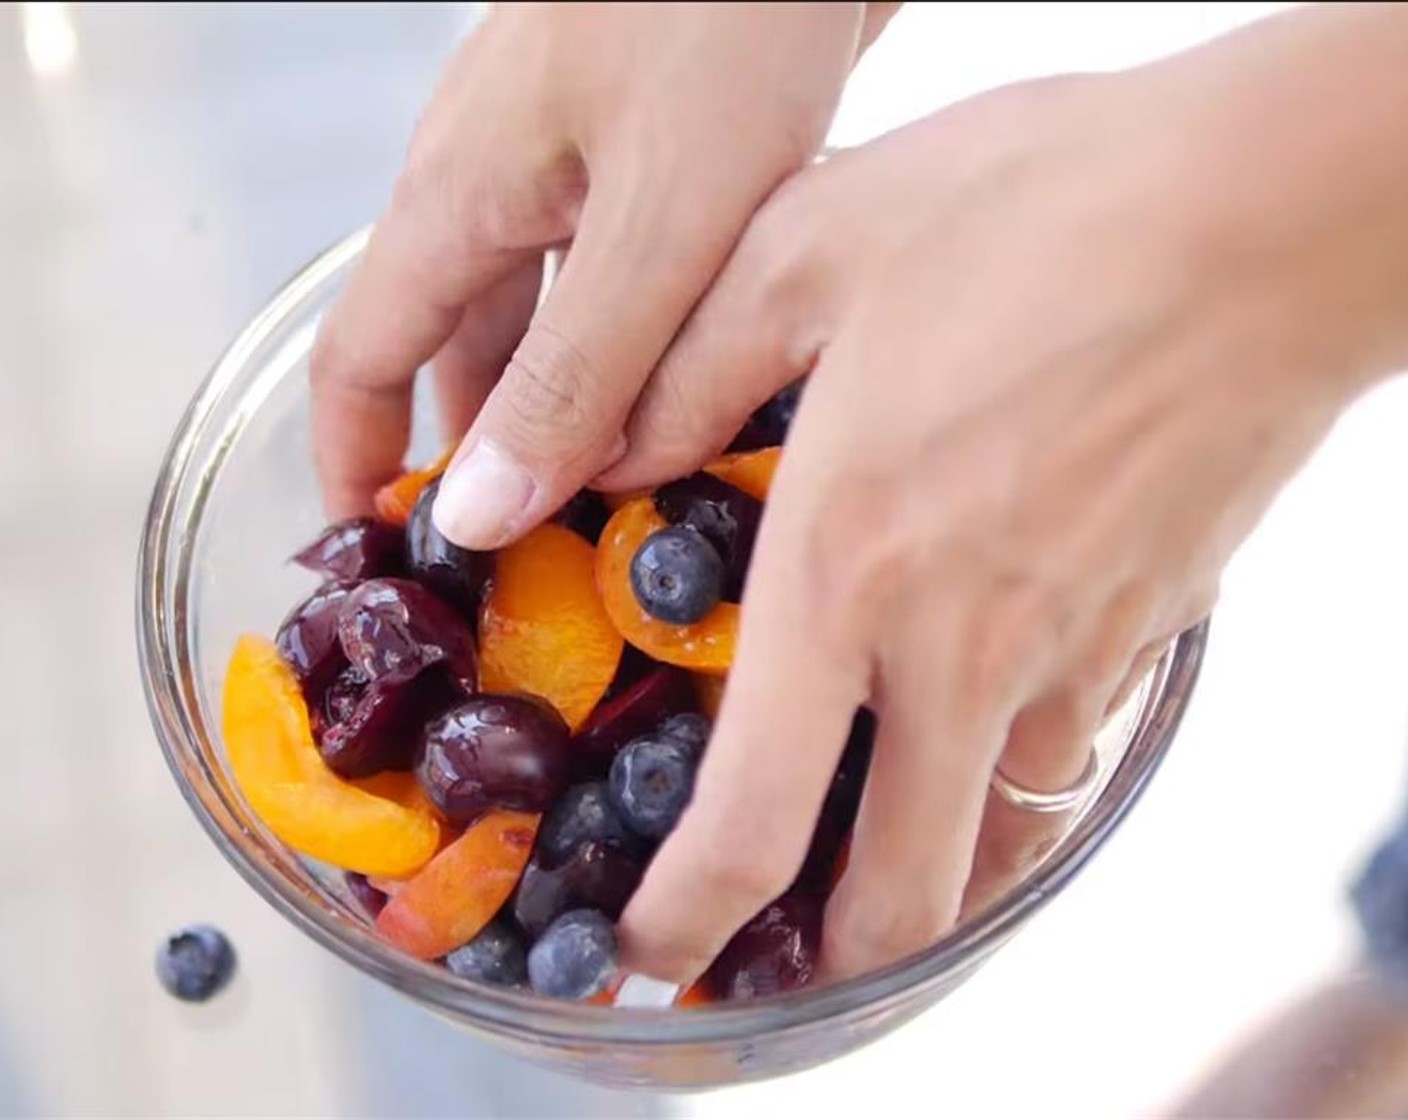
(1048, 749)
(780, 733)
(400, 306)
(638, 262)
(1049, 743)
(739, 347)
(472, 359)
(914, 838)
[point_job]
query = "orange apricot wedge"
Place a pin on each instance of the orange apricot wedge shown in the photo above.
(543, 629)
(397, 498)
(696, 995)
(705, 646)
(379, 827)
(615, 501)
(453, 897)
(749, 471)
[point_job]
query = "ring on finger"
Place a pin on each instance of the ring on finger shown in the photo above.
(1041, 801)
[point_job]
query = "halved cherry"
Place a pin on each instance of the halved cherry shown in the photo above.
(456, 894)
(382, 826)
(543, 629)
(397, 498)
(750, 471)
(637, 710)
(705, 646)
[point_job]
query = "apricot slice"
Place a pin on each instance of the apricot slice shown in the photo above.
(397, 498)
(750, 471)
(616, 501)
(696, 995)
(379, 827)
(543, 629)
(453, 897)
(705, 646)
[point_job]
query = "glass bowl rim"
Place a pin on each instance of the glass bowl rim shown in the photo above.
(182, 735)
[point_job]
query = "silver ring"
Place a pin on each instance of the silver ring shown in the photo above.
(1038, 801)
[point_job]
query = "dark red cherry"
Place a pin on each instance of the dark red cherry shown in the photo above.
(455, 574)
(396, 628)
(598, 876)
(385, 723)
(640, 708)
(775, 952)
(507, 752)
(357, 549)
(585, 514)
(308, 637)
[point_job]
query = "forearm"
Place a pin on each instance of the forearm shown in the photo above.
(1301, 153)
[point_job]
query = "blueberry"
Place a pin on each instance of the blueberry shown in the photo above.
(677, 575)
(652, 780)
(776, 416)
(583, 815)
(495, 956)
(690, 728)
(195, 963)
(722, 514)
(575, 958)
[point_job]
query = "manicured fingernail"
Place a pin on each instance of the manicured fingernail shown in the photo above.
(483, 498)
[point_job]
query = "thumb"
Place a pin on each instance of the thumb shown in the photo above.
(639, 261)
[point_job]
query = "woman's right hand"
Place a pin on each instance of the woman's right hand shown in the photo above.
(643, 136)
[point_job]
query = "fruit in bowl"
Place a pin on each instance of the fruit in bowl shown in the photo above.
(492, 746)
(233, 480)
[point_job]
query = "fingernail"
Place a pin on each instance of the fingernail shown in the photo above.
(638, 990)
(483, 498)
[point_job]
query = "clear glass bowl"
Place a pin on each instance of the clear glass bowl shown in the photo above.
(236, 496)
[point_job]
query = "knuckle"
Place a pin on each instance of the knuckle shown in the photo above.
(336, 360)
(669, 420)
(775, 259)
(877, 935)
(1014, 640)
(743, 876)
(551, 395)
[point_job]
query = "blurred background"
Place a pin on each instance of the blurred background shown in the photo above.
(163, 169)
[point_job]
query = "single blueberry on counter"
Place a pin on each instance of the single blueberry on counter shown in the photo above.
(195, 963)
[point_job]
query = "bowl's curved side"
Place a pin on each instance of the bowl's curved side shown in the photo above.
(660, 1048)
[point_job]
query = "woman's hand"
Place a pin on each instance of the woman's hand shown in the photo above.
(1068, 340)
(644, 136)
